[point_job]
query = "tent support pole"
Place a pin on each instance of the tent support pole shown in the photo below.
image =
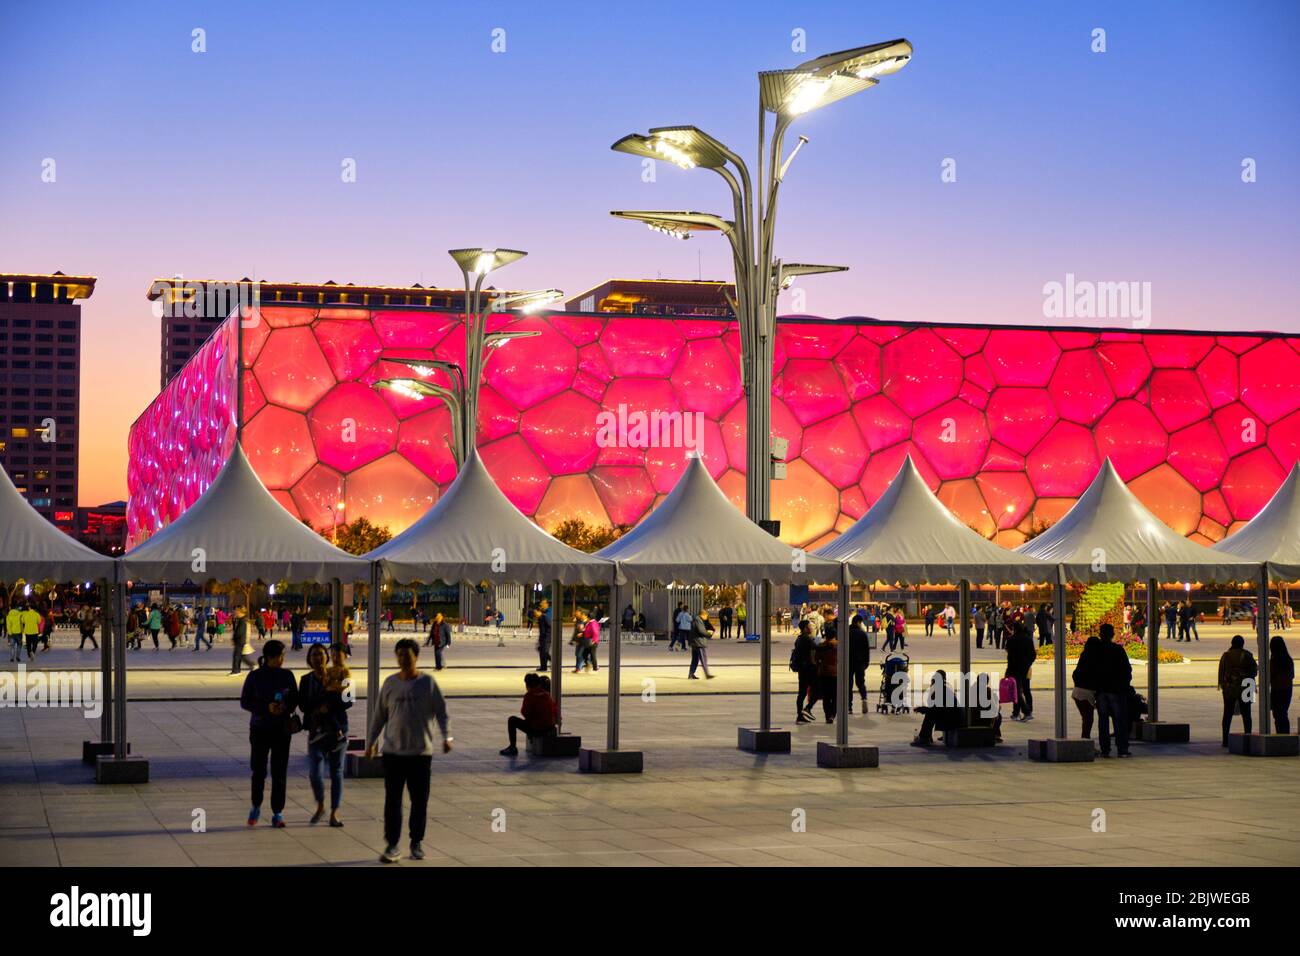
(119, 664)
(372, 649)
(843, 686)
(764, 657)
(1153, 654)
(557, 647)
(964, 680)
(1262, 684)
(107, 616)
(1059, 658)
(615, 662)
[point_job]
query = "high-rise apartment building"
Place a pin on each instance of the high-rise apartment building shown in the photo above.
(40, 388)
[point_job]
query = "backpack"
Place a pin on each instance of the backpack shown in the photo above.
(1008, 692)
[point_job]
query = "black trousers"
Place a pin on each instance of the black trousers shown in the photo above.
(807, 689)
(513, 726)
(859, 676)
(409, 773)
(828, 689)
(88, 636)
(1230, 703)
(1025, 700)
(1280, 702)
(272, 743)
(979, 637)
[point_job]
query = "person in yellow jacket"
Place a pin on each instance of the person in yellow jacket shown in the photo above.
(32, 621)
(14, 631)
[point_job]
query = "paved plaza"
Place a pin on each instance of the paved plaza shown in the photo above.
(700, 800)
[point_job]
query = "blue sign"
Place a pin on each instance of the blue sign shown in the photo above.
(316, 637)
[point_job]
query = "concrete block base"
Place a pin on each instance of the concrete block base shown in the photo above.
(1264, 745)
(846, 757)
(1163, 732)
(963, 737)
(555, 745)
(92, 750)
(609, 761)
(755, 741)
(360, 766)
(109, 769)
(1063, 750)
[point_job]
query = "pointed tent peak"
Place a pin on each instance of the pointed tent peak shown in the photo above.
(1273, 535)
(474, 532)
(243, 531)
(31, 547)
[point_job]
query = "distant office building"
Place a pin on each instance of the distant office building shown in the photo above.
(189, 309)
(657, 297)
(40, 387)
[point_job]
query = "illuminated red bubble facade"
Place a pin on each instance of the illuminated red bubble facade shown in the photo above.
(592, 418)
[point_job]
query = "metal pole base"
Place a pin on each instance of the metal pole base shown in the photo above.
(121, 770)
(1164, 732)
(92, 750)
(1264, 745)
(846, 756)
(1063, 750)
(609, 761)
(359, 766)
(756, 741)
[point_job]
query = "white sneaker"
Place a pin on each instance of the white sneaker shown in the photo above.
(390, 855)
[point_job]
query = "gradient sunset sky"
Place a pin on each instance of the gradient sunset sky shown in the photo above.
(1115, 166)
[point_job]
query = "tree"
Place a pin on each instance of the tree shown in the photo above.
(358, 536)
(577, 533)
(1037, 527)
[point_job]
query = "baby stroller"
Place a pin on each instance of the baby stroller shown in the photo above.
(895, 685)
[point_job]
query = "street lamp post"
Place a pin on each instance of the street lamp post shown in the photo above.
(462, 402)
(475, 264)
(751, 231)
(759, 277)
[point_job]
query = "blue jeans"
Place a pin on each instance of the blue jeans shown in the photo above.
(1112, 708)
(323, 752)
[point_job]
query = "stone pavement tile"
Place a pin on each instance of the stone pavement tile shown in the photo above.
(28, 847)
(135, 850)
(684, 857)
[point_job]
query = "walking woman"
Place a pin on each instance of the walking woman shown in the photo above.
(325, 700)
(243, 651)
(270, 696)
(1281, 677)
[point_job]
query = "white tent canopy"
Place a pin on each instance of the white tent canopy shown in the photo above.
(696, 535)
(474, 533)
(237, 530)
(1109, 535)
(1273, 535)
(33, 549)
(908, 536)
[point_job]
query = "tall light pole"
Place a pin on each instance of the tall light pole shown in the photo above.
(462, 402)
(759, 277)
(475, 264)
